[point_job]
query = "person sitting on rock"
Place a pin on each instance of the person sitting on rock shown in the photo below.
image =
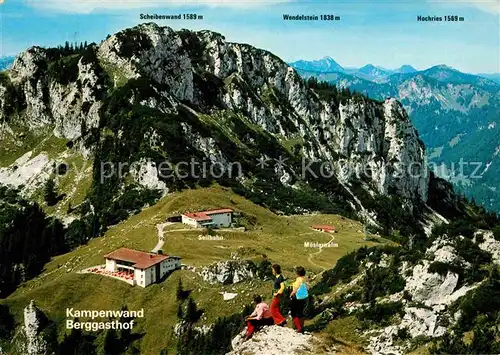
(260, 316)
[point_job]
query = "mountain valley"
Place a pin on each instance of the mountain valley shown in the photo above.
(452, 111)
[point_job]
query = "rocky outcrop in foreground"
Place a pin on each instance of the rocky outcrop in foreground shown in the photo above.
(275, 340)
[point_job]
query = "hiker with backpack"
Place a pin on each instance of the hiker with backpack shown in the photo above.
(278, 289)
(299, 296)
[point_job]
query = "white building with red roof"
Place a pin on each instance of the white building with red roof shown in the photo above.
(222, 217)
(324, 228)
(140, 268)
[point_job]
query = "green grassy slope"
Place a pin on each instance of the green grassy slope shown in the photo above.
(280, 238)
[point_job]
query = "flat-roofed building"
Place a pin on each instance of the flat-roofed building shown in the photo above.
(222, 217)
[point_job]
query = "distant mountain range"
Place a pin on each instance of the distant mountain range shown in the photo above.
(495, 76)
(6, 62)
(457, 116)
(326, 64)
(368, 72)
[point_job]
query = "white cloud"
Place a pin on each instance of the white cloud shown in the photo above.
(488, 6)
(89, 6)
(491, 6)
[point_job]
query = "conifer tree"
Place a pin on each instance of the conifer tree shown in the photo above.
(180, 313)
(7, 323)
(112, 343)
(180, 291)
(191, 315)
(50, 193)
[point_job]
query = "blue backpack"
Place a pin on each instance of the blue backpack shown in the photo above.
(302, 293)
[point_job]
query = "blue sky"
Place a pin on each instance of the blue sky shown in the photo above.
(383, 33)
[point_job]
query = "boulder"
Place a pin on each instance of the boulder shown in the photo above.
(229, 272)
(430, 288)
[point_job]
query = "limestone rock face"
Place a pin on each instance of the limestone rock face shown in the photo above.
(229, 272)
(490, 244)
(383, 343)
(69, 107)
(33, 341)
(432, 288)
(422, 321)
(364, 134)
(27, 171)
(146, 174)
(31, 327)
(435, 291)
(26, 65)
(428, 287)
(27, 74)
(75, 107)
(417, 321)
(380, 137)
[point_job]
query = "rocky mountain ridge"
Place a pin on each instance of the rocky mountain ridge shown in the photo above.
(201, 77)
